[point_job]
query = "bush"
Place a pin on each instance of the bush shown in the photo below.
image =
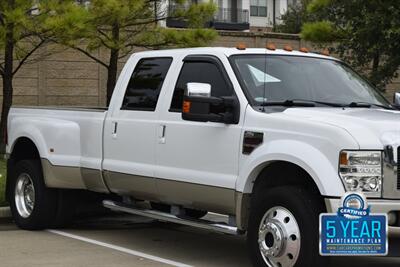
(320, 32)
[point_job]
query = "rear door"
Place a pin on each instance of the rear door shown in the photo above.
(197, 162)
(130, 131)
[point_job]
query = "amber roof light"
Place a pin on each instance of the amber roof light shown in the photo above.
(325, 52)
(241, 46)
(271, 46)
(288, 48)
(304, 50)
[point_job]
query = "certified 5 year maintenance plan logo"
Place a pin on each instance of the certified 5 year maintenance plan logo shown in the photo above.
(353, 230)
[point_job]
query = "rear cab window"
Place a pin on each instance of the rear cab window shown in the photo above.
(145, 84)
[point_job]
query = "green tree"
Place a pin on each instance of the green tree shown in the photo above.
(120, 26)
(22, 30)
(294, 18)
(364, 33)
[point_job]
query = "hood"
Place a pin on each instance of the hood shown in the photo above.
(371, 128)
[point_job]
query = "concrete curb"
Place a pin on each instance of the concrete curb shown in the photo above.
(5, 212)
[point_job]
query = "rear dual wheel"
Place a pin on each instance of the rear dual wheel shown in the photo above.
(33, 205)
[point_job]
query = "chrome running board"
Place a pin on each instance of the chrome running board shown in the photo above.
(162, 216)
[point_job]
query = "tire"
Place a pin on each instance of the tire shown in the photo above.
(66, 208)
(32, 204)
(286, 220)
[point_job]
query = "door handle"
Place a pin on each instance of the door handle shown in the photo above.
(161, 134)
(114, 129)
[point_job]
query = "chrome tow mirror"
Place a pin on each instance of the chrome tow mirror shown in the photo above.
(199, 105)
(198, 89)
(396, 99)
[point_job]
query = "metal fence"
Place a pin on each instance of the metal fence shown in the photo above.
(226, 15)
(234, 15)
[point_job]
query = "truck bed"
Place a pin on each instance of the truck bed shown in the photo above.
(65, 136)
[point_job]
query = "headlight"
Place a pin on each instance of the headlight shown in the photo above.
(362, 171)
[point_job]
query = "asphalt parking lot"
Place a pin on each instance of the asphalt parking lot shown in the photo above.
(133, 241)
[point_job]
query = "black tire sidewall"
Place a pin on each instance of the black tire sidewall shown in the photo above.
(45, 199)
(306, 209)
(67, 200)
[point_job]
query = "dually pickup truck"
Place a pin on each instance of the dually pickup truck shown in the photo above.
(269, 138)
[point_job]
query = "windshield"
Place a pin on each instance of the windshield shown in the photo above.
(276, 78)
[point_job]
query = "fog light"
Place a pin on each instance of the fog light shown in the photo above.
(392, 218)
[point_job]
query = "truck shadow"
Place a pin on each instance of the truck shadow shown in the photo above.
(192, 246)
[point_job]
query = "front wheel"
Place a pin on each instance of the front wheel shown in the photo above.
(283, 228)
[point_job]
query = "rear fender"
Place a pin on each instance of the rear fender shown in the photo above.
(56, 140)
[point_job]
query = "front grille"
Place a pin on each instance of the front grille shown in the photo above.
(398, 164)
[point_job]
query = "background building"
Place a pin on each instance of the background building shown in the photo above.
(235, 15)
(239, 15)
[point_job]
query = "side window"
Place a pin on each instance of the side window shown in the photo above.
(145, 84)
(201, 72)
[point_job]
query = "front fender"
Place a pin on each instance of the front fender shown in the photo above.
(321, 167)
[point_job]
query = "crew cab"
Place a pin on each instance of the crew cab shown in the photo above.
(270, 138)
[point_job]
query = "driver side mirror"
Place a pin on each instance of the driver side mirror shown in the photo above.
(199, 105)
(396, 99)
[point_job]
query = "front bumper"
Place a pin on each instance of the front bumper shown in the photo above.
(377, 206)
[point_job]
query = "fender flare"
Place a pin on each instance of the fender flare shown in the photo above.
(46, 134)
(32, 133)
(318, 165)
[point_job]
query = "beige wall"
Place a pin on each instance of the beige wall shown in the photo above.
(70, 78)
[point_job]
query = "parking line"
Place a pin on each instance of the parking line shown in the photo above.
(121, 249)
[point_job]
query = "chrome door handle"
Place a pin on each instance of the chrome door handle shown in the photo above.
(114, 129)
(161, 134)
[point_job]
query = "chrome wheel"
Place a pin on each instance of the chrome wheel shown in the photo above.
(279, 238)
(24, 195)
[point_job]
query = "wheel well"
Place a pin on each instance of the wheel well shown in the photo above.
(274, 174)
(23, 149)
(282, 173)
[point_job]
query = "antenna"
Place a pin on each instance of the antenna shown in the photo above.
(269, 46)
(265, 80)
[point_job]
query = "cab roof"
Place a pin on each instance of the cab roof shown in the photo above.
(229, 51)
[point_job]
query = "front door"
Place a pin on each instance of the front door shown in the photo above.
(197, 162)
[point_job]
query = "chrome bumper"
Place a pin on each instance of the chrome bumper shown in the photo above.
(377, 206)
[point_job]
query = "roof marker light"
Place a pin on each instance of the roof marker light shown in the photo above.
(241, 46)
(288, 48)
(325, 52)
(271, 46)
(304, 50)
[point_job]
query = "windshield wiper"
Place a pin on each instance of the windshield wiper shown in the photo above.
(367, 105)
(289, 103)
(299, 103)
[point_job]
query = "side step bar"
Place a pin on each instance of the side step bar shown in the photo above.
(162, 216)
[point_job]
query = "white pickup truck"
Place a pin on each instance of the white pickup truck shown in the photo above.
(270, 138)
